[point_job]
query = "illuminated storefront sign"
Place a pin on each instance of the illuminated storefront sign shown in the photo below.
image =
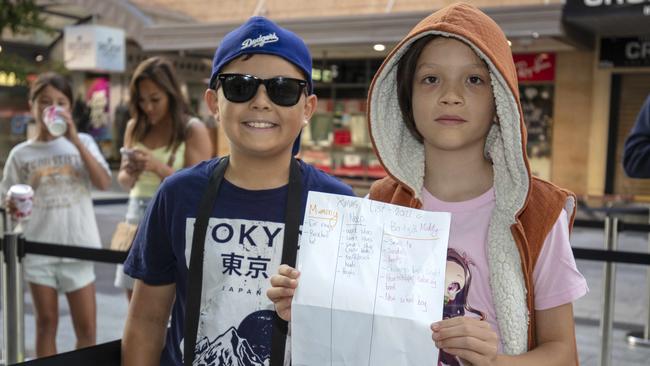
(535, 66)
(625, 52)
(9, 79)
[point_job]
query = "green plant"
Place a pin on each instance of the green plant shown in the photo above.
(19, 68)
(22, 16)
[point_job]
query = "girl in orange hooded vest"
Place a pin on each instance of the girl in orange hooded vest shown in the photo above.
(445, 120)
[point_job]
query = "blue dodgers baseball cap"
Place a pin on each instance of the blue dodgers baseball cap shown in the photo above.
(261, 35)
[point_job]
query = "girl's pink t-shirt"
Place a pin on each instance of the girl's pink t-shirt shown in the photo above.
(556, 279)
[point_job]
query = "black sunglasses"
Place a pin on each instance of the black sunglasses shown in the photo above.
(239, 88)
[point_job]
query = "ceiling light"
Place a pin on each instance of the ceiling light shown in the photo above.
(379, 47)
(39, 58)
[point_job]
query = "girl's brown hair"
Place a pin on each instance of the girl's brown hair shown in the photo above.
(54, 80)
(160, 71)
(405, 74)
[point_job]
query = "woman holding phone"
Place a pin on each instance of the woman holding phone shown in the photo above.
(160, 138)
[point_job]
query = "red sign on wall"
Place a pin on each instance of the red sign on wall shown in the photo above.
(535, 66)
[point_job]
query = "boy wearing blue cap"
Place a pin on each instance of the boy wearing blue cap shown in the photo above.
(215, 288)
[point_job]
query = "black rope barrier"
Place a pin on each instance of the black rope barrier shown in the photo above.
(614, 256)
(624, 226)
(112, 256)
(66, 251)
(590, 224)
(110, 201)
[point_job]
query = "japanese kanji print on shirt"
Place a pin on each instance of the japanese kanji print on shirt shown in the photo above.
(235, 322)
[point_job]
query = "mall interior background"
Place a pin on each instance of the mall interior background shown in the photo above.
(584, 71)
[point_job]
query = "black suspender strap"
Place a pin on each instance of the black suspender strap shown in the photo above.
(289, 251)
(195, 276)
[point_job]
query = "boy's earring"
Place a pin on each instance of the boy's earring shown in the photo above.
(305, 122)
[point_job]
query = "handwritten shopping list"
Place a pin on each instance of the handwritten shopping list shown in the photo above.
(371, 283)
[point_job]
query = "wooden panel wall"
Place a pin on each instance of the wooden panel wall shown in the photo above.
(635, 88)
(572, 120)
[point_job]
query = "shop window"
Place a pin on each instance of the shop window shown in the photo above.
(537, 105)
(536, 75)
(337, 140)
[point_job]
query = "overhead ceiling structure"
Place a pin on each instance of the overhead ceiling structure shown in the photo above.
(334, 28)
(536, 28)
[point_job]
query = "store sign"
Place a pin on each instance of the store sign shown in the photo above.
(94, 48)
(625, 52)
(535, 66)
(608, 17)
(607, 6)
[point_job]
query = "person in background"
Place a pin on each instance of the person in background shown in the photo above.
(636, 152)
(61, 171)
(121, 116)
(446, 123)
(81, 114)
(160, 138)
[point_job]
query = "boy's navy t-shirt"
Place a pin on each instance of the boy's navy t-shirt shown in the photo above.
(243, 248)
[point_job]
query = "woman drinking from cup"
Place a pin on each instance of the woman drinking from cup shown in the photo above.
(61, 166)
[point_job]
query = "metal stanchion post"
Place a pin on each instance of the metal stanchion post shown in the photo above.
(609, 289)
(12, 300)
(642, 338)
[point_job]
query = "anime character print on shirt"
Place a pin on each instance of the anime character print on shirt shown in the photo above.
(236, 318)
(458, 278)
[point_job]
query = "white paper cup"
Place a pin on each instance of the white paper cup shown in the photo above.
(21, 196)
(54, 121)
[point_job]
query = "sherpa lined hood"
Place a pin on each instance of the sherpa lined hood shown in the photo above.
(403, 156)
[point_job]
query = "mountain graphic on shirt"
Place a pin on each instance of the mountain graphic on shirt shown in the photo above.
(228, 349)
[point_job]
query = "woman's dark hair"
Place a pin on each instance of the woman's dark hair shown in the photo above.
(161, 72)
(405, 74)
(54, 80)
(459, 305)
